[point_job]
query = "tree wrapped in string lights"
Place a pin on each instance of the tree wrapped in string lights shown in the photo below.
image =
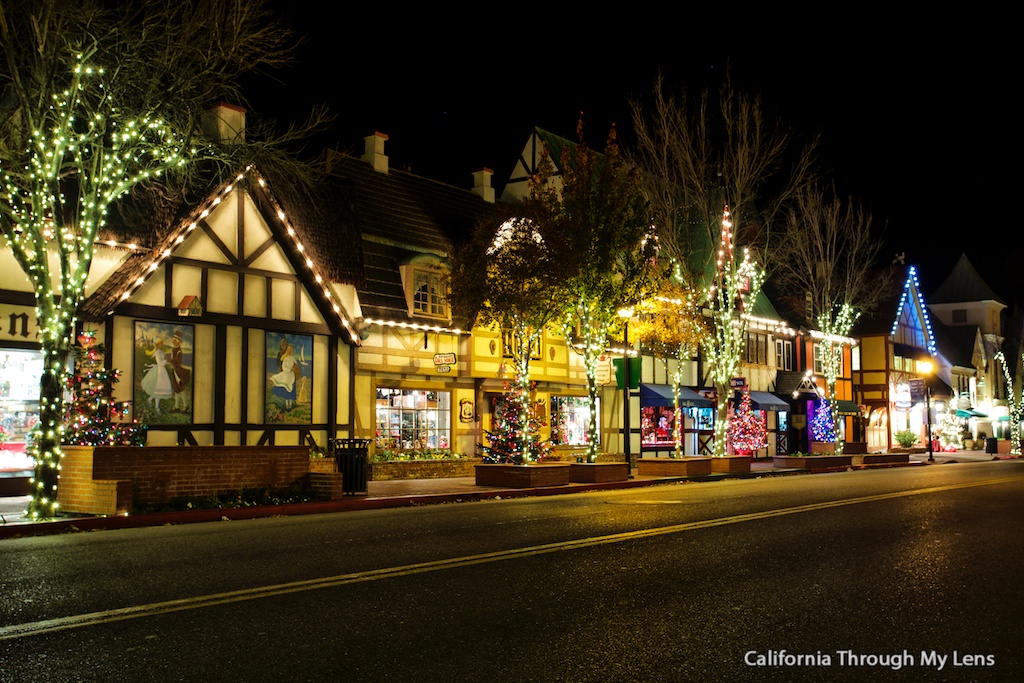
(94, 417)
(101, 100)
(737, 282)
(599, 231)
(1015, 403)
(671, 326)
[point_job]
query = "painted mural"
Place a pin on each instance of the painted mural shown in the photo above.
(289, 388)
(162, 378)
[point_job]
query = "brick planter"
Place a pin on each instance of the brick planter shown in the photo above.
(422, 469)
(674, 467)
(522, 476)
(882, 458)
(812, 462)
(596, 472)
(731, 464)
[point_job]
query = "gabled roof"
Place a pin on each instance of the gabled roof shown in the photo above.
(316, 234)
(962, 285)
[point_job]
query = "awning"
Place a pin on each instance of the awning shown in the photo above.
(660, 395)
(846, 408)
(969, 413)
(762, 400)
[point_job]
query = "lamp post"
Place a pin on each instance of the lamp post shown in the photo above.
(626, 314)
(927, 368)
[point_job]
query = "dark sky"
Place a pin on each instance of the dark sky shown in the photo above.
(919, 127)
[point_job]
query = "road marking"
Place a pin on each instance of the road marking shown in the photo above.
(167, 607)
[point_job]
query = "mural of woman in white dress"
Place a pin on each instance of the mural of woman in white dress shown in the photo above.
(285, 379)
(157, 380)
(289, 387)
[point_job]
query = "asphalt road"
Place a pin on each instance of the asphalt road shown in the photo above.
(907, 574)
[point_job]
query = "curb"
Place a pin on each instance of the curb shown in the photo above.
(351, 504)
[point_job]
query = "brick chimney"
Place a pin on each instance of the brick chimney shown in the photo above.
(224, 123)
(374, 152)
(482, 184)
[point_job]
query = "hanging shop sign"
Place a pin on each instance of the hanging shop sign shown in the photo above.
(444, 359)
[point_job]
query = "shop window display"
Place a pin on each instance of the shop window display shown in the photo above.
(19, 404)
(412, 419)
(570, 418)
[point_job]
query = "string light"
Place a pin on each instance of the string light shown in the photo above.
(726, 298)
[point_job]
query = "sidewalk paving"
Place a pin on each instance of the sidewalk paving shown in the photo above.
(383, 494)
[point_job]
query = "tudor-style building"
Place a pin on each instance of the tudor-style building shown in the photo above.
(896, 347)
(969, 337)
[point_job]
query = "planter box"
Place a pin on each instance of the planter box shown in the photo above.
(596, 472)
(674, 467)
(422, 469)
(822, 447)
(812, 462)
(883, 458)
(522, 476)
(731, 464)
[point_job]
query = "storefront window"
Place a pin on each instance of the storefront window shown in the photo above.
(570, 417)
(409, 419)
(657, 426)
(19, 404)
(19, 393)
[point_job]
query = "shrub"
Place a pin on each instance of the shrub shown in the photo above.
(906, 438)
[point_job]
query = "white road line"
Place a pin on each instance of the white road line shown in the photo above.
(152, 609)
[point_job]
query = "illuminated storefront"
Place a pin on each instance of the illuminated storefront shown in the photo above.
(660, 424)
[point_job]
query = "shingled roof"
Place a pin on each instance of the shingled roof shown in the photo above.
(963, 284)
(400, 216)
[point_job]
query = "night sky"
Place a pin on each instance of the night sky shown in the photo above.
(918, 127)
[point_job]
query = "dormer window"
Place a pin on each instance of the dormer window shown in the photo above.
(428, 294)
(423, 280)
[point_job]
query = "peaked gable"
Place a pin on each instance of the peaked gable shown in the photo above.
(259, 238)
(912, 324)
(963, 284)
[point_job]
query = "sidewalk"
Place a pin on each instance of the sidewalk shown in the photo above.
(384, 494)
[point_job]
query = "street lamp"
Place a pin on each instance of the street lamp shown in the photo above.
(626, 314)
(926, 368)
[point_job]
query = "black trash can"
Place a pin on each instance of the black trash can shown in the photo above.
(991, 446)
(351, 457)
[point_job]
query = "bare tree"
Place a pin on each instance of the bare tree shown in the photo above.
(719, 170)
(826, 259)
(98, 100)
(701, 152)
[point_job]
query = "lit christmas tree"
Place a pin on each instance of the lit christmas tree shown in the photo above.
(949, 432)
(506, 435)
(93, 415)
(747, 430)
(823, 427)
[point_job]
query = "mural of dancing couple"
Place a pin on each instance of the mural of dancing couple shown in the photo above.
(289, 378)
(162, 378)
